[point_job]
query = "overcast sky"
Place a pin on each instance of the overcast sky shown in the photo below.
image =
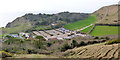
(11, 9)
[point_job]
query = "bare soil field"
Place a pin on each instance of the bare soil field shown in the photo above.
(94, 51)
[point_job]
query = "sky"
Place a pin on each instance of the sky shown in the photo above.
(11, 9)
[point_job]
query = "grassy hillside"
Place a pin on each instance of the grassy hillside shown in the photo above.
(81, 23)
(104, 30)
(47, 19)
(16, 29)
(40, 21)
(107, 15)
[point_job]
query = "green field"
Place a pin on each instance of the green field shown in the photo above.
(87, 29)
(104, 30)
(82, 23)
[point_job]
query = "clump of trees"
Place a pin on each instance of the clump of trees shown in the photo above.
(74, 44)
(107, 38)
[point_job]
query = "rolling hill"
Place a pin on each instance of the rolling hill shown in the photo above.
(42, 21)
(108, 15)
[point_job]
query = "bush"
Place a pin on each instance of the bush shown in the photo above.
(6, 50)
(74, 43)
(58, 48)
(49, 44)
(96, 38)
(82, 43)
(65, 47)
(113, 41)
(89, 42)
(29, 51)
(51, 34)
(102, 38)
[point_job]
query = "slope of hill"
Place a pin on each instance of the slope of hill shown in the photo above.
(94, 51)
(108, 15)
(81, 24)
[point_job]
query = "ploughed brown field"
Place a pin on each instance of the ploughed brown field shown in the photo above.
(94, 51)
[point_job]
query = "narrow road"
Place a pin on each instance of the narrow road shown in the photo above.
(84, 27)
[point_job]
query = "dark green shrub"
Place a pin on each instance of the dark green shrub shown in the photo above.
(102, 38)
(82, 43)
(74, 43)
(65, 47)
(89, 42)
(58, 48)
(95, 42)
(96, 37)
(49, 44)
(51, 34)
(29, 51)
(6, 50)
